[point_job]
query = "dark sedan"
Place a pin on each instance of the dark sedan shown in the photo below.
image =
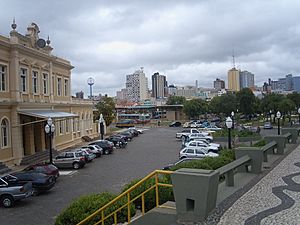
(40, 182)
(175, 124)
(118, 141)
(48, 169)
(107, 146)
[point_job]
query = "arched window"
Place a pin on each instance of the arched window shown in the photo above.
(4, 132)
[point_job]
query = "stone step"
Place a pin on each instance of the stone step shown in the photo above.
(37, 157)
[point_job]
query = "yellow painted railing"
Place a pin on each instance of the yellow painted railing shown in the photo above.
(155, 174)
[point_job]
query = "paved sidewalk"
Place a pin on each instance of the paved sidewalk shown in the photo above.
(275, 199)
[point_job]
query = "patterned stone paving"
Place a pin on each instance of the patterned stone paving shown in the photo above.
(275, 199)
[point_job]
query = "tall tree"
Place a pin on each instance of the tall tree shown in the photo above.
(176, 100)
(295, 97)
(106, 107)
(246, 100)
(194, 108)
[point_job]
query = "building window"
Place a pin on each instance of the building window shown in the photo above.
(66, 87)
(59, 86)
(23, 76)
(61, 127)
(67, 125)
(35, 82)
(3, 72)
(45, 83)
(4, 132)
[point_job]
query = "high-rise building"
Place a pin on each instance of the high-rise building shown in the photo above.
(137, 86)
(219, 84)
(159, 86)
(234, 79)
(122, 95)
(246, 79)
(296, 84)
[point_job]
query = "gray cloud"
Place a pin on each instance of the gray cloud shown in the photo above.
(185, 40)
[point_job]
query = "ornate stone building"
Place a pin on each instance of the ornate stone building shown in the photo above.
(36, 85)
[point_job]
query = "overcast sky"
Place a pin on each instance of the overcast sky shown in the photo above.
(184, 40)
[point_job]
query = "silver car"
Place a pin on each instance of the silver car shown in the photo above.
(98, 151)
(195, 153)
(74, 160)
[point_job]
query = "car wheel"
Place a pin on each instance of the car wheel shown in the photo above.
(35, 192)
(106, 152)
(183, 157)
(7, 201)
(76, 165)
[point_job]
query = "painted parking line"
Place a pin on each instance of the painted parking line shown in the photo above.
(67, 173)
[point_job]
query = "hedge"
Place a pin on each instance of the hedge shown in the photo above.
(86, 205)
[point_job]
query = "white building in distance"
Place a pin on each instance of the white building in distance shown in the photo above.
(137, 86)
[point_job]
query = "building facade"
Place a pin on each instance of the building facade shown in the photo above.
(234, 80)
(246, 79)
(219, 84)
(137, 86)
(36, 85)
(159, 86)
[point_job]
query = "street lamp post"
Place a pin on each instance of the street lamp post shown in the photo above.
(232, 117)
(229, 126)
(101, 121)
(299, 114)
(49, 129)
(278, 115)
(270, 116)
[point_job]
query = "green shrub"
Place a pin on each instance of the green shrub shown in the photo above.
(209, 163)
(165, 194)
(242, 133)
(260, 143)
(86, 205)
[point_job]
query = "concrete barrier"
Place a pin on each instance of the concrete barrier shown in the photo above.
(293, 130)
(195, 193)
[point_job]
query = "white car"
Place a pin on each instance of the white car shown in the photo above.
(195, 153)
(207, 142)
(200, 135)
(98, 151)
(209, 147)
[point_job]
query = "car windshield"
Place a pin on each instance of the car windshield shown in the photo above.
(78, 154)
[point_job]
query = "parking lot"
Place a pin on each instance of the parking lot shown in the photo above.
(152, 150)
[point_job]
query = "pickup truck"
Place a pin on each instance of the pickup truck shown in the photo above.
(187, 132)
(11, 191)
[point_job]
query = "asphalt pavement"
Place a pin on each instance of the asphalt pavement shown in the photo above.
(152, 150)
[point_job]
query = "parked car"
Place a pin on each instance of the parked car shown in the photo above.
(45, 168)
(107, 146)
(74, 160)
(134, 132)
(88, 154)
(10, 193)
(268, 125)
(207, 147)
(126, 138)
(141, 131)
(186, 132)
(207, 142)
(195, 153)
(127, 134)
(175, 124)
(95, 149)
(199, 136)
(171, 165)
(118, 141)
(40, 182)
